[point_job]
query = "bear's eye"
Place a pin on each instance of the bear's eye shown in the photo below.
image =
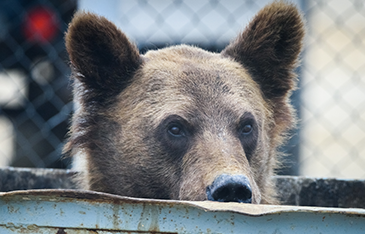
(176, 131)
(246, 130)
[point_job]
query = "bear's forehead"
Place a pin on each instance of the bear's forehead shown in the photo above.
(188, 81)
(194, 71)
(185, 63)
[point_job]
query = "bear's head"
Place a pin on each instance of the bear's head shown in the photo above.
(181, 122)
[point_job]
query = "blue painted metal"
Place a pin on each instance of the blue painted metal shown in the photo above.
(73, 211)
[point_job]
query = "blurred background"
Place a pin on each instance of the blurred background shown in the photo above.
(36, 97)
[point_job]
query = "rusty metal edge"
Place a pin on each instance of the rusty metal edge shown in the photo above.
(207, 206)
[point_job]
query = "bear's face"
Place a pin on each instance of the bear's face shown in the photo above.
(183, 123)
(197, 115)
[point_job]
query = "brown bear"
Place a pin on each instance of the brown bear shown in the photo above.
(181, 122)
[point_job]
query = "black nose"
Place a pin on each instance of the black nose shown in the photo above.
(230, 188)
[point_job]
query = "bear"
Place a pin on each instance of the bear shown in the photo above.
(180, 122)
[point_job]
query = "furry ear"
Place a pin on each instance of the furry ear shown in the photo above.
(102, 57)
(269, 48)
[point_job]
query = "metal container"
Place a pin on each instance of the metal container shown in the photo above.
(75, 211)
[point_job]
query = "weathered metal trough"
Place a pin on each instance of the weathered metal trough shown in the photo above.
(73, 211)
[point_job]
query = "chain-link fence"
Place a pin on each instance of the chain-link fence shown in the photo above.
(34, 93)
(35, 97)
(333, 90)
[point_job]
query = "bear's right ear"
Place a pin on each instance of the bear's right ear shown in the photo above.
(103, 58)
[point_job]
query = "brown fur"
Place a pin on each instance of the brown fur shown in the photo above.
(118, 136)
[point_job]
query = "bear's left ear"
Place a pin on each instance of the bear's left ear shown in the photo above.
(269, 48)
(103, 58)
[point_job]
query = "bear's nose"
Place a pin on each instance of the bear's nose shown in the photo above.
(230, 188)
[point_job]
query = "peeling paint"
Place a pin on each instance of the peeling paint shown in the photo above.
(74, 211)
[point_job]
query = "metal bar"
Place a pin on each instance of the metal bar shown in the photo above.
(92, 212)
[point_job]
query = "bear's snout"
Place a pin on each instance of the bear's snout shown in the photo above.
(230, 188)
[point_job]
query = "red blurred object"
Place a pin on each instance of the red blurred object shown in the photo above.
(40, 25)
